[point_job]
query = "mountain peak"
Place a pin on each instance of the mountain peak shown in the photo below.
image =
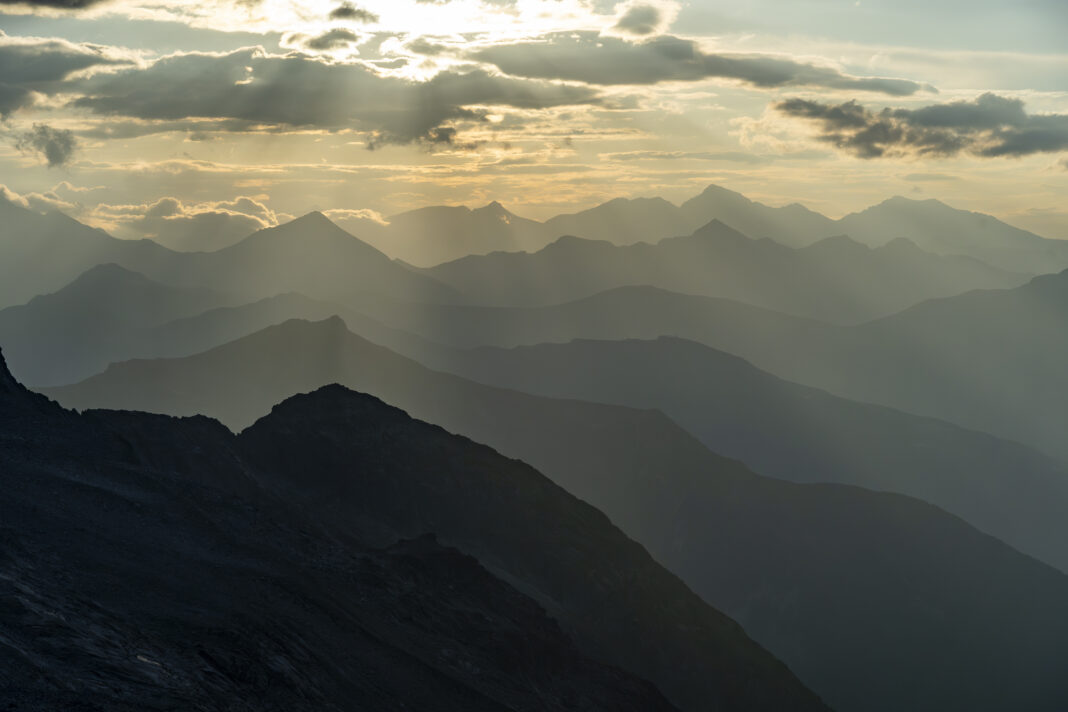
(336, 405)
(107, 273)
(719, 191)
(717, 229)
(313, 219)
(838, 242)
(900, 201)
(573, 241)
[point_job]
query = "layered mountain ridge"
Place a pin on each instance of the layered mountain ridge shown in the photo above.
(114, 523)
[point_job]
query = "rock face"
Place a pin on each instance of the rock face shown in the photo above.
(150, 562)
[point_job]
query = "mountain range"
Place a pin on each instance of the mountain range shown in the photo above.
(797, 433)
(801, 567)
(835, 280)
(429, 236)
(323, 560)
(40, 254)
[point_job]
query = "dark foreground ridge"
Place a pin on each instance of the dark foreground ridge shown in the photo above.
(325, 560)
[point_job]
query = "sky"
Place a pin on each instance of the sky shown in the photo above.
(173, 117)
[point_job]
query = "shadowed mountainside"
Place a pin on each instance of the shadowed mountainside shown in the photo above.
(876, 601)
(154, 562)
(42, 253)
(110, 314)
(795, 432)
(992, 360)
(73, 333)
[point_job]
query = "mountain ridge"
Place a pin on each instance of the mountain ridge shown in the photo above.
(804, 587)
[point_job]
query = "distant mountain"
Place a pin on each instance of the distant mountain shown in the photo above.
(798, 433)
(622, 313)
(937, 227)
(992, 360)
(162, 561)
(39, 254)
(309, 255)
(836, 279)
(624, 221)
(429, 236)
(42, 253)
(793, 224)
(73, 333)
(948, 617)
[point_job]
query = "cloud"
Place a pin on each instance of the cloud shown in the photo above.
(640, 20)
(56, 146)
(186, 226)
(40, 202)
(422, 45)
(348, 11)
(988, 126)
(32, 65)
(332, 39)
(357, 218)
(299, 91)
(54, 4)
(596, 59)
(729, 156)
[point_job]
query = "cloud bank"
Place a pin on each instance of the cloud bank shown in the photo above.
(300, 91)
(989, 126)
(595, 59)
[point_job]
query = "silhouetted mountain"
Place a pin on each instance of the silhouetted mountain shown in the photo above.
(154, 562)
(429, 236)
(73, 333)
(835, 279)
(42, 253)
(937, 227)
(798, 433)
(876, 601)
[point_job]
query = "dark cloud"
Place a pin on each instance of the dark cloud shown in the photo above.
(41, 65)
(331, 39)
(594, 59)
(300, 91)
(640, 20)
(56, 146)
(56, 4)
(422, 45)
(13, 98)
(348, 11)
(988, 126)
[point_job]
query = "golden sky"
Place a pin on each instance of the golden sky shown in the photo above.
(121, 113)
